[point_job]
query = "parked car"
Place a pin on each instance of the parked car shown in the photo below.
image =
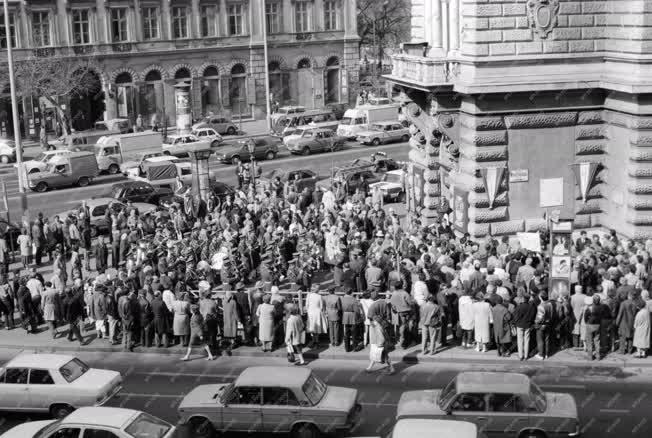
(96, 422)
(54, 383)
(392, 185)
(98, 207)
(74, 168)
(315, 140)
(208, 134)
(301, 178)
(220, 124)
(7, 151)
(384, 132)
(264, 148)
(500, 404)
(139, 191)
(425, 428)
(271, 400)
(40, 162)
(178, 145)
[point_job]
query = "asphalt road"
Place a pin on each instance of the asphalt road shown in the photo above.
(612, 402)
(56, 201)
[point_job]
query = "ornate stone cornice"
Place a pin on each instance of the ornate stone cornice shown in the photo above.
(545, 120)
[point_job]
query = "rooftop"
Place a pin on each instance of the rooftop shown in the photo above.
(50, 361)
(512, 383)
(273, 376)
(100, 416)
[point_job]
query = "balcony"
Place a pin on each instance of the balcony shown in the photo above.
(412, 67)
(121, 47)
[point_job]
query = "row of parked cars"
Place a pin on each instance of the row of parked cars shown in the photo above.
(277, 399)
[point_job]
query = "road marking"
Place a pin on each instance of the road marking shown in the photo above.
(563, 386)
(182, 374)
(615, 411)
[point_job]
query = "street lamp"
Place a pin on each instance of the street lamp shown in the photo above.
(267, 96)
(251, 146)
(14, 113)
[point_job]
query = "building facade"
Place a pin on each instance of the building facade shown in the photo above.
(142, 48)
(523, 108)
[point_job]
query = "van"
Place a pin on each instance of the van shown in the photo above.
(75, 168)
(360, 118)
(113, 150)
(100, 129)
(322, 118)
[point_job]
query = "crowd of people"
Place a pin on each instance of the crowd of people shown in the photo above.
(264, 269)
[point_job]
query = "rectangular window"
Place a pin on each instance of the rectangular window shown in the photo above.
(330, 15)
(3, 31)
(180, 22)
(273, 17)
(119, 25)
(81, 28)
(236, 14)
(150, 24)
(301, 16)
(41, 28)
(208, 28)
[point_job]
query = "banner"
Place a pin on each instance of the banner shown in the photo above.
(460, 210)
(551, 192)
(492, 177)
(584, 174)
(529, 241)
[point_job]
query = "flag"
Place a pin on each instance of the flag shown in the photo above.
(492, 177)
(584, 175)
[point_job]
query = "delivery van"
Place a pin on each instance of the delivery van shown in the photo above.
(75, 168)
(360, 118)
(113, 150)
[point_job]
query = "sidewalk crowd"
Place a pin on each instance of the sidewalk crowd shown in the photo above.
(251, 270)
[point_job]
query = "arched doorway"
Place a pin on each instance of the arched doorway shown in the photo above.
(86, 105)
(279, 83)
(210, 91)
(238, 90)
(333, 81)
(151, 98)
(305, 83)
(125, 96)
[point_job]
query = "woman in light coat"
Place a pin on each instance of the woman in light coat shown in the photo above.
(642, 331)
(295, 335)
(50, 305)
(181, 320)
(231, 319)
(366, 303)
(316, 321)
(378, 342)
(265, 317)
(465, 304)
(481, 322)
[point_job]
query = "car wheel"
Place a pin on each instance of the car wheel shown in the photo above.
(83, 181)
(270, 155)
(375, 141)
(236, 160)
(401, 197)
(305, 151)
(405, 138)
(305, 431)
(230, 130)
(41, 187)
(94, 231)
(51, 148)
(215, 144)
(532, 434)
(33, 171)
(5, 159)
(167, 153)
(60, 411)
(113, 169)
(201, 428)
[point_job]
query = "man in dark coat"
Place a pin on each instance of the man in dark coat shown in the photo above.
(144, 319)
(128, 308)
(244, 312)
(625, 324)
(28, 313)
(73, 312)
(101, 254)
(334, 315)
(358, 265)
(160, 318)
(351, 311)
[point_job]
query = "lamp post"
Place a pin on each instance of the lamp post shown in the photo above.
(268, 117)
(14, 114)
(251, 146)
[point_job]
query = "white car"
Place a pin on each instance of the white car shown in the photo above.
(40, 162)
(54, 383)
(178, 145)
(208, 134)
(384, 132)
(392, 185)
(96, 423)
(7, 151)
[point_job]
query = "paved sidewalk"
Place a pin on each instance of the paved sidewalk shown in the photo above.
(42, 342)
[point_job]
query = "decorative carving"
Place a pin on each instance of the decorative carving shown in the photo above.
(590, 147)
(452, 71)
(589, 132)
(639, 170)
(485, 138)
(546, 120)
(542, 15)
(507, 227)
(44, 52)
(303, 36)
(640, 139)
(481, 123)
(121, 47)
(83, 50)
(589, 117)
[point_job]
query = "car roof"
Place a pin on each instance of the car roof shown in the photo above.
(90, 203)
(495, 383)
(422, 427)
(101, 416)
(273, 376)
(37, 360)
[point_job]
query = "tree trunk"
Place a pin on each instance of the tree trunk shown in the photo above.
(64, 120)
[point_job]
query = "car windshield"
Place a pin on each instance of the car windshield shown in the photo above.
(47, 429)
(393, 178)
(345, 121)
(375, 127)
(314, 388)
(298, 132)
(446, 395)
(42, 157)
(147, 426)
(538, 397)
(73, 370)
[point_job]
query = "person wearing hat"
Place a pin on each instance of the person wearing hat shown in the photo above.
(145, 319)
(73, 312)
(374, 275)
(244, 312)
(197, 334)
(358, 265)
(316, 323)
(352, 316)
(231, 319)
(333, 306)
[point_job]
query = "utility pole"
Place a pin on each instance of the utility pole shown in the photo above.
(267, 95)
(14, 113)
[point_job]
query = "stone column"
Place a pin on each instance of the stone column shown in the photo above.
(445, 29)
(138, 21)
(195, 20)
(166, 22)
(182, 106)
(434, 24)
(454, 27)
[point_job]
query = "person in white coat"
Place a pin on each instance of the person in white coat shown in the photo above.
(481, 322)
(466, 319)
(316, 323)
(642, 331)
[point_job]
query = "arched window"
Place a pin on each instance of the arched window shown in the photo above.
(125, 97)
(182, 73)
(210, 91)
(123, 78)
(333, 61)
(278, 83)
(210, 72)
(333, 80)
(304, 63)
(151, 98)
(153, 76)
(238, 69)
(238, 89)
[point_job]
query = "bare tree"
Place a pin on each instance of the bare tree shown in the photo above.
(382, 24)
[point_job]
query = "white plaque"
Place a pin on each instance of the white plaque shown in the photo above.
(551, 192)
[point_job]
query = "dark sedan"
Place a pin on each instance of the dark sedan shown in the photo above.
(264, 148)
(137, 191)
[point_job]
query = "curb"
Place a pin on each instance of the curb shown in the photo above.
(408, 358)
